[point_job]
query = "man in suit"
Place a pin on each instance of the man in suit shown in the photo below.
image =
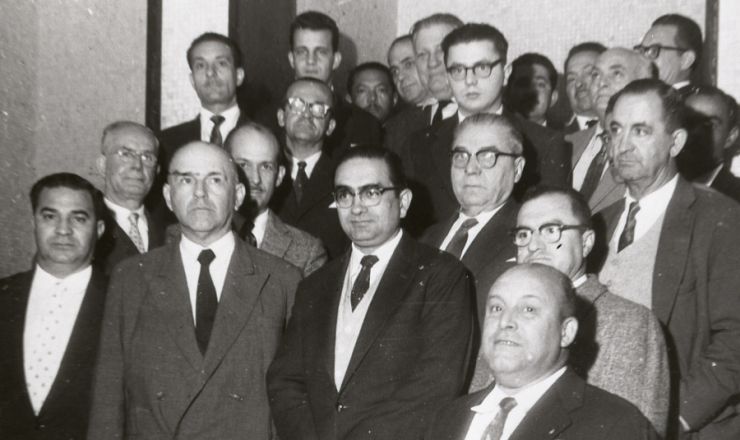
(530, 325)
(50, 316)
(305, 199)
(532, 88)
(674, 44)
(370, 87)
(486, 164)
(190, 328)
(475, 56)
(256, 151)
(379, 338)
(620, 346)
(402, 63)
(579, 65)
(614, 69)
(718, 113)
(672, 247)
(128, 161)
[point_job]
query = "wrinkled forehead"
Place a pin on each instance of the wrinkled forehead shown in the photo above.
(310, 92)
(661, 34)
(473, 137)
(523, 282)
(132, 137)
(399, 51)
(252, 145)
(202, 159)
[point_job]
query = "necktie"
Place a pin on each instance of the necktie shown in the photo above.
(216, 133)
(438, 114)
(206, 301)
(133, 232)
(362, 282)
(628, 235)
(594, 172)
(496, 428)
(591, 122)
(301, 179)
(457, 244)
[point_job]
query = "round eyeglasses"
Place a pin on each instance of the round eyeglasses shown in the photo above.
(481, 70)
(550, 233)
(315, 109)
(370, 195)
(486, 157)
(128, 155)
(652, 51)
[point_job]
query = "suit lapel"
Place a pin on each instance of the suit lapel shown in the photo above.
(242, 288)
(276, 240)
(390, 292)
(579, 141)
(327, 305)
(673, 249)
(156, 232)
(492, 239)
(319, 186)
(441, 146)
(549, 416)
(173, 303)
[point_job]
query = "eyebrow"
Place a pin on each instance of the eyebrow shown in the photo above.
(47, 209)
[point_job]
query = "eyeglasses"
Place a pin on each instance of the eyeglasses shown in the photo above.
(314, 109)
(370, 195)
(486, 157)
(550, 232)
(481, 70)
(128, 155)
(653, 51)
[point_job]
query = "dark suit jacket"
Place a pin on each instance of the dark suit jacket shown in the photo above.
(115, 245)
(399, 129)
(570, 409)
(64, 414)
(354, 126)
(151, 380)
(695, 296)
(410, 355)
(313, 213)
(727, 184)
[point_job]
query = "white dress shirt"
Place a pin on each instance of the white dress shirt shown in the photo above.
(483, 219)
(189, 251)
(311, 162)
(583, 121)
(588, 155)
(260, 225)
(461, 116)
(53, 305)
(681, 84)
(652, 207)
(349, 322)
(122, 219)
(449, 110)
(525, 400)
(231, 118)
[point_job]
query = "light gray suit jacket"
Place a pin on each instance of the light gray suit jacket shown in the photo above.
(297, 247)
(609, 190)
(151, 380)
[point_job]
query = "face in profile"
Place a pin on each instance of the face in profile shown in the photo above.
(256, 154)
(401, 61)
(203, 192)
(479, 92)
(214, 75)
(129, 163)
(372, 91)
(66, 229)
(668, 61)
(430, 59)
(614, 69)
(313, 55)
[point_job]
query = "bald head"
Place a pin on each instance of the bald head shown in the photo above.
(614, 69)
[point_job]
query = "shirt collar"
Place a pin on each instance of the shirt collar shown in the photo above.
(583, 121)
(223, 247)
(483, 217)
(260, 225)
(461, 117)
(231, 115)
(311, 162)
(78, 277)
(383, 252)
(681, 84)
(658, 199)
(120, 212)
(578, 282)
(525, 399)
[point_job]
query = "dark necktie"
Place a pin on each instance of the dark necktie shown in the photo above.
(594, 172)
(458, 241)
(628, 235)
(496, 428)
(206, 301)
(301, 180)
(591, 122)
(362, 282)
(438, 114)
(216, 133)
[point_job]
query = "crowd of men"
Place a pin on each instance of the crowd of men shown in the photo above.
(432, 256)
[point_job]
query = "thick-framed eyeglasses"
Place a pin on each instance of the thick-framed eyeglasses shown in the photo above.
(652, 51)
(486, 157)
(481, 70)
(370, 195)
(314, 109)
(128, 155)
(550, 232)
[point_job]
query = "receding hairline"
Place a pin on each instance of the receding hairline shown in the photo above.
(481, 120)
(555, 283)
(247, 129)
(117, 126)
(312, 82)
(231, 167)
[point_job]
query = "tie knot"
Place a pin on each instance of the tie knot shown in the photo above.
(507, 404)
(590, 123)
(217, 120)
(634, 208)
(133, 218)
(468, 224)
(444, 103)
(368, 261)
(206, 257)
(302, 165)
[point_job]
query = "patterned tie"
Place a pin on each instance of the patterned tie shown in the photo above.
(438, 117)
(457, 244)
(362, 282)
(206, 301)
(133, 232)
(628, 235)
(595, 170)
(301, 180)
(216, 133)
(496, 428)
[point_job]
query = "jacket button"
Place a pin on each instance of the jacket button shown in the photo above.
(340, 407)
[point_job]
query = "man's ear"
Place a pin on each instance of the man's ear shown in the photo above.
(192, 81)
(330, 127)
(554, 98)
(732, 137)
(679, 141)
(337, 60)
(588, 239)
(166, 193)
(281, 117)
(405, 198)
(291, 60)
(348, 98)
(100, 228)
(688, 59)
(240, 75)
(100, 164)
(280, 175)
(239, 194)
(519, 164)
(507, 74)
(568, 331)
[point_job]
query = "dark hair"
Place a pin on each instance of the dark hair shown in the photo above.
(588, 46)
(402, 38)
(517, 139)
(259, 128)
(531, 59)
(73, 182)
(688, 33)
(674, 110)
(471, 32)
(370, 65)
(391, 160)
(236, 53)
(315, 21)
(436, 19)
(716, 92)
(119, 125)
(578, 203)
